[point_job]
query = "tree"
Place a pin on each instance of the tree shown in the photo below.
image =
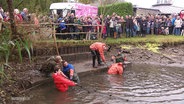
(85, 1)
(14, 33)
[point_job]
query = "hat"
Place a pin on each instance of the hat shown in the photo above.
(59, 19)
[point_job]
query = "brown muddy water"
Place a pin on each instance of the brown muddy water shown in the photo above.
(140, 84)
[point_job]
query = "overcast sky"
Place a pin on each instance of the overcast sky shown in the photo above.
(149, 3)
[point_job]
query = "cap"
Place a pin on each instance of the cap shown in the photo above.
(59, 19)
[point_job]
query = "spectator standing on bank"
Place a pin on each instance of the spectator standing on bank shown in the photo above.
(129, 26)
(139, 22)
(148, 26)
(156, 26)
(177, 24)
(71, 27)
(144, 26)
(112, 26)
(173, 25)
(17, 16)
(24, 14)
(135, 26)
(107, 23)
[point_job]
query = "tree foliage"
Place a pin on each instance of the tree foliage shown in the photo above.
(32, 5)
(121, 9)
(36, 5)
(86, 1)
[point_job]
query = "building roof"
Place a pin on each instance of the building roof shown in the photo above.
(167, 9)
(145, 8)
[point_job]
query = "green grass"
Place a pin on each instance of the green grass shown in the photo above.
(148, 39)
(159, 39)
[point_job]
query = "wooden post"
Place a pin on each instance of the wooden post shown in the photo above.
(55, 40)
(0, 25)
(98, 31)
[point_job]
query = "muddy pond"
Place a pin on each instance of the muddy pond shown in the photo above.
(140, 84)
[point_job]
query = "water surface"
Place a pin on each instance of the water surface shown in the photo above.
(140, 84)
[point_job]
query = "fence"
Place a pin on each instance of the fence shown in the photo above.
(48, 30)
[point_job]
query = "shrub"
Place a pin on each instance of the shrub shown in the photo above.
(121, 9)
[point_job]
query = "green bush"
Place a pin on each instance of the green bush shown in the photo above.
(121, 9)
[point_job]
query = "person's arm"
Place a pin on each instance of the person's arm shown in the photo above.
(71, 74)
(101, 52)
(60, 72)
(71, 71)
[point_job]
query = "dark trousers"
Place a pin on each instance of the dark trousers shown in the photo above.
(111, 32)
(76, 78)
(95, 54)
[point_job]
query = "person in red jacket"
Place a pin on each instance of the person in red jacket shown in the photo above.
(61, 81)
(97, 51)
(116, 68)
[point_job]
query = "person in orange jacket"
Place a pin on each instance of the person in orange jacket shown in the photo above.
(97, 51)
(116, 68)
(61, 81)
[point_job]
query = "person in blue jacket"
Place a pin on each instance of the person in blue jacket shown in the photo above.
(69, 71)
(61, 28)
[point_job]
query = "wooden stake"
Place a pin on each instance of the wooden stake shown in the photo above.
(55, 40)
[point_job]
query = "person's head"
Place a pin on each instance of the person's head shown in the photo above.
(113, 18)
(72, 14)
(105, 47)
(108, 48)
(16, 11)
(119, 51)
(58, 59)
(178, 17)
(65, 63)
(57, 68)
(113, 57)
(25, 10)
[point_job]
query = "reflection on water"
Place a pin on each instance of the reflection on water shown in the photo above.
(140, 84)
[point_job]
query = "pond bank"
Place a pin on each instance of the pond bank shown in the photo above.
(22, 76)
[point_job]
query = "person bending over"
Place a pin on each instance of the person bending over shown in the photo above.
(69, 71)
(97, 51)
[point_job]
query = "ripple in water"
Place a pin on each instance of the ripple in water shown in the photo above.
(142, 84)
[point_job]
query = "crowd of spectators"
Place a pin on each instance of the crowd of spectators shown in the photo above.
(19, 17)
(115, 26)
(110, 26)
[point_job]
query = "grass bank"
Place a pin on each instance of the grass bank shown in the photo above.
(159, 39)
